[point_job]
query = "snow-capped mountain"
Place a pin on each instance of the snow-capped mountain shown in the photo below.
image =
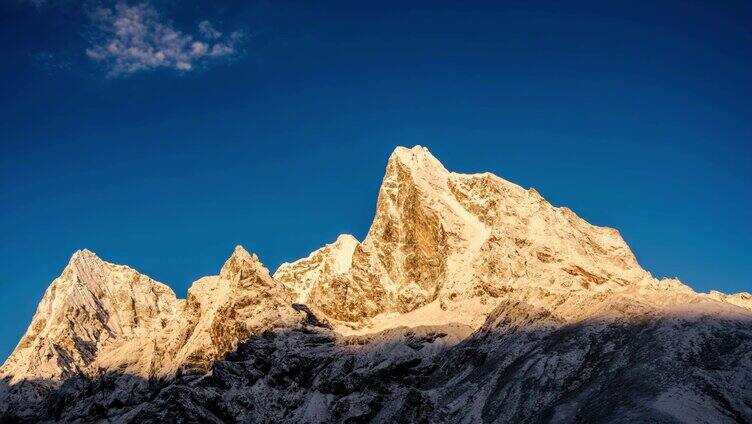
(99, 317)
(470, 299)
(92, 305)
(444, 247)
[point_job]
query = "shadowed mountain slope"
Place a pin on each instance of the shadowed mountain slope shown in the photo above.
(523, 365)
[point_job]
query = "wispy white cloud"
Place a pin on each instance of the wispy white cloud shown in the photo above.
(129, 39)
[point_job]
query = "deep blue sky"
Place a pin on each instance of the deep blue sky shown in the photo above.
(635, 116)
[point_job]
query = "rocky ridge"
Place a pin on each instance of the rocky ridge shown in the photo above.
(443, 244)
(99, 317)
(470, 299)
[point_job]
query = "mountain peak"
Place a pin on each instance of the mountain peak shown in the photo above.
(446, 254)
(83, 255)
(90, 305)
(222, 311)
(242, 265)
(446, 237)
(415, 150)
(417, 158)
(240, 251)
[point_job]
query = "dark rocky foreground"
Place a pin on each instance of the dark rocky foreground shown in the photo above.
(522, 366)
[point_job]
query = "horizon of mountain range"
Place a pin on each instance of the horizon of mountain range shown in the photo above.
(470, 299)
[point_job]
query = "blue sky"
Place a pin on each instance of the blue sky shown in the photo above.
(159, 134)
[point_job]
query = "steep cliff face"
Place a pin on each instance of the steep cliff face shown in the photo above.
(417, 236)
(447, 242)
(92, 305)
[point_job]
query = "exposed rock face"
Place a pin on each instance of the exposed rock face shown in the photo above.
(470, 300)
(98, 317)
(222, 311)
(461, 241)
(92, 305)
(328, 262)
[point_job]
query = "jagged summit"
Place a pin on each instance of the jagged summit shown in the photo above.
(442, 244)
(221, 311)
(85, 261)
(93, 303)
(443, 248)
(242, 265)
(99, 315)
(82, 253)
(441, 237)
(411, 153)
(418, 159)
(555, 313)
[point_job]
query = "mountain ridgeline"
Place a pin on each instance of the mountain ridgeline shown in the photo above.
(470, 300)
